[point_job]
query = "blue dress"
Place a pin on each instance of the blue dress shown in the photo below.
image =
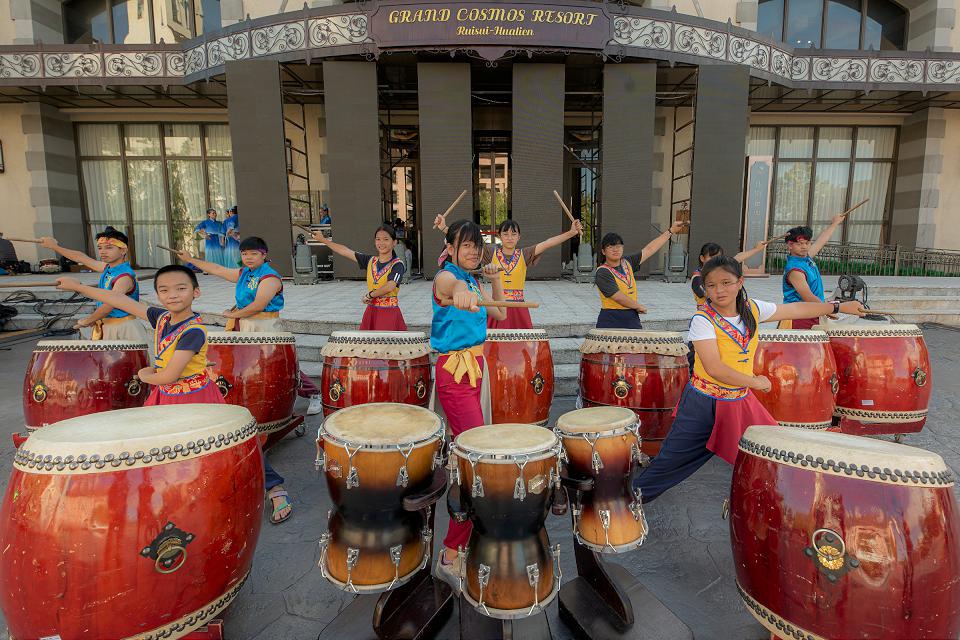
(231, 250)
(212, 249)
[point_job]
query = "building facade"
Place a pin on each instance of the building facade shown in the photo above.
(748, 116)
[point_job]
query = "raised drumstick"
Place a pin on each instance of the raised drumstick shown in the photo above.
(160, 246)
(563, 205)
(33, 240)
(855, 207)
(774, 239)
(454, 205)
(510, 303)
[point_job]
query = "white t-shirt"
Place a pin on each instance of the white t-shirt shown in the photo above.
(702, 329)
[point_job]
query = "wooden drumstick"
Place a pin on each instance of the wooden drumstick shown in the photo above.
(563, 205)
(33, 240)
(855, 207)
(479, 272)
(881, 312)
(24, 285)
(500, 303)
(774, 239)
(454, 205)
(160, 246)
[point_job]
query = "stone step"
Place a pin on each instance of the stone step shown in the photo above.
(903, 291)
(915, 304)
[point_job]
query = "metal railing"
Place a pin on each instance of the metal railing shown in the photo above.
(874, 260)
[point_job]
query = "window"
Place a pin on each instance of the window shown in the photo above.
(155, 182)
(138, 21)
(834, 24)
(821, 171)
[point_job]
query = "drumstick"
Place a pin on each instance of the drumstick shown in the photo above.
(33, 240)
(774, 239)
(856, 206)
(563, 205)
(478, 272)
(160, 246)
(454, 205)
(881, 312)
(307, 229)
(24, 285)
(502, 303)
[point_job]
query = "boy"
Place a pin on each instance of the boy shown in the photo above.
(801, 276)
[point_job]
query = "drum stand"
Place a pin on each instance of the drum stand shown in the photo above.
(295, 424)
(412, 611)
(604, 600)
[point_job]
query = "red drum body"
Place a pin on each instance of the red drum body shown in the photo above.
(134, 523)
(256, 370)
(802, 374)
(641, 370)
(360, 367)
(521, 375)
(885, 378)
(70, 378)
(822, 551)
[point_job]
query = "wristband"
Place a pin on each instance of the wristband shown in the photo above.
(836, 307)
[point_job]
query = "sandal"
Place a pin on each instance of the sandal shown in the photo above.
(284, 504)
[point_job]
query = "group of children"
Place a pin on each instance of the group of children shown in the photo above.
(714, 409)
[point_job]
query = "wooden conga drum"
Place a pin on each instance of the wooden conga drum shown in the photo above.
(373, 455)
(521, 375)
(836, 536)
(603, 443)
(644, 371)
(256, 370)
(507, 474)
(802, 374)
(375, 366)
(133, 523)
(885, 378)
(70, 378)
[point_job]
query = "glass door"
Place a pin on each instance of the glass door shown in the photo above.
(492, 165)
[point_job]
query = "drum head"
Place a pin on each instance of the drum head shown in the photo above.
(89, 345)
(596, 420)
(516, 335)
(385, 337)
(383, 424)
(250, 337)
(872, 330)
(144, 435)
(823, 451)
(792, 335)
(506, 439)
(385, 345)
(668, 343)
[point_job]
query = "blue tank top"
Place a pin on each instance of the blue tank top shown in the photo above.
(455, 329)
(809, 268)
(249, 281)
(110, 275)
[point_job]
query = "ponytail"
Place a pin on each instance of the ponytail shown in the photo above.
(746, 314)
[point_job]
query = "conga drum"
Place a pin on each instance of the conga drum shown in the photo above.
(603, 443)
(375, 366)
(132, 523)
(521, 375)
(507, 474)
(258, 371)
(802, 374)
(70, 378)
(374, 455)
(644, 371)
(885, 378)
(836, 536)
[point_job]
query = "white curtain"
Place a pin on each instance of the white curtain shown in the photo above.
(218, 140)
(796, 142)
(147, 237)
(762, 142)
(793, 193)
(141, 139)
(98, 140)
(182, 139)
(187, 201)
(835, 142)
(146, 191)
(103, 188)
(223, 190)
(875, 142)
(830, 190)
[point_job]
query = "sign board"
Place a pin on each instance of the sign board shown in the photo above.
(757, 210)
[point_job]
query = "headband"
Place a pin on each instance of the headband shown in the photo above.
(117, 243)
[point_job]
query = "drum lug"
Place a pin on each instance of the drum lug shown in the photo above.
(396, 552)
(596, 461)
(403, 476)
(476, 491)
(321, 462)
(168, 549)
(134, 386)
(421, 389)
(519, 488)
(636, 453)
(353, 557)
(324, 544)
(538, 383)
(533, 577)
(636, 507)
(829, 560)
(483, 577)
(455, 475)
(39, 392)
(920, 377)
(437, 460)
(605, 523)
(621, 387)
(557, 569)
(336, 390)
(353, 478)
(462, 562)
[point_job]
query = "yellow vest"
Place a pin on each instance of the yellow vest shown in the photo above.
(165, 347)
(376, 279)
(735, 351)
(514, 274)
(626, 284)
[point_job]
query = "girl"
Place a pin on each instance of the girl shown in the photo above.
(116, 274)
(712, 250)
(513, 266)
(384, 272)
(616, 279)
(212, 232)
(458, 331)
(717, 405)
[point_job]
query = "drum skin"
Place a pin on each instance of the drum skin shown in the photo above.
(349, 381)
(73, 567)
(521, 379)
(889, 375)
(803, 379)
(648, 383)
(903, 536)
(259, 373)
(62, 383)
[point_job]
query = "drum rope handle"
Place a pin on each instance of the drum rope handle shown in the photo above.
(519, 490)
(533, 577)
(403, 477)
(353, 475)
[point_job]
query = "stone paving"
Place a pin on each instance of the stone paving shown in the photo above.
(686, 561)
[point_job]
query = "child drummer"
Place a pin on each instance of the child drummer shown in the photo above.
(179, 374)
(801, 276)
(259, 300)
(458, 331)
(108, 322)
(718, 404)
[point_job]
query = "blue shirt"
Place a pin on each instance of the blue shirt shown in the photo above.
(107, 279)
(212, 228)
(455, 329)
(809, 269)
(249, 281)
(231, 223)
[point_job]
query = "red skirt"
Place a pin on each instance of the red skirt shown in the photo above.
(382, 319)
(516, 319)
(732, 418)
(805, 323)
(208, 394)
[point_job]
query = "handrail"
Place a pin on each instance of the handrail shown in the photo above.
(874, 260)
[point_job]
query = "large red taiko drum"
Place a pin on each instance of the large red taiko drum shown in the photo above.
(132, 523)
(256, 370)
(885, 378)
(645, 371)
(521, 375)
(70, 378)
(360, 367)
(838, 536)
(802, 374)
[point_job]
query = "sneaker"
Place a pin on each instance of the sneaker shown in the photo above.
(316, 405)
(449, 572)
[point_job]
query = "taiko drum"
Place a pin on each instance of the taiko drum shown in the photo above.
(521, 375)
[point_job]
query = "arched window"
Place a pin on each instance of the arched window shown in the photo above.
(834, 24)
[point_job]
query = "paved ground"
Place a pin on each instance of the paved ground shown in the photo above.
(686, 561)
